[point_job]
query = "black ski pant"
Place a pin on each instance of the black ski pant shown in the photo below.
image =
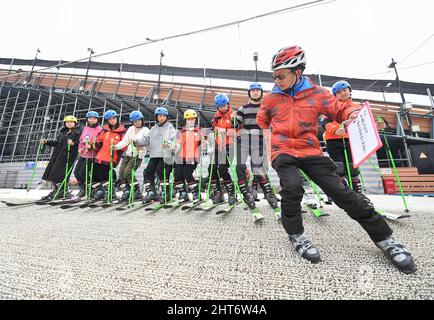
(80, 170)
(161, 167)
(184, 172)
(219, 169)
(322, 171)
(101, 173)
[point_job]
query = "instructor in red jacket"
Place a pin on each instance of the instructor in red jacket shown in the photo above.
(291, 111)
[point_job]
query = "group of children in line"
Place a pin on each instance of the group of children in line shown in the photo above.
(286, 118)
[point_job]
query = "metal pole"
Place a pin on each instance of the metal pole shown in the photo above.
(33, 66)
(401, 109)
(91, 52)
(9, 126)
(32, 126)
(159, 75)
(21, 124)
(431, 134)
(255, 58)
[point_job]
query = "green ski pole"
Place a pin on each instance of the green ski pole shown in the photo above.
(91, 172)
(40, 150)
(394, 166)
(110, 186)
(62, 184)
(86, 142)
(347, 162)
(133, 174)
(211, 171)
(65, 186)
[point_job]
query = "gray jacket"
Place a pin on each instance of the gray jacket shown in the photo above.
(157, 136)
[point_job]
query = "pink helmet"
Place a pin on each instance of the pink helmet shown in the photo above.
(289, 58)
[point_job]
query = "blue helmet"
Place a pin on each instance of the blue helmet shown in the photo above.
(136, 115)
(110, 114)
(221, 99)
(92, 114)
(162, 111)
(255, 85)
(340, 85)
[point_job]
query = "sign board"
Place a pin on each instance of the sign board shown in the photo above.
(363, 136)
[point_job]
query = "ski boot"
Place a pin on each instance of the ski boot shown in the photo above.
(255, 190)
(81, 192)
(137, 191)
(183, 196)
(150, 196)
(217, 197)
(164, 197)
(248, 197)
(397, 254)
(232, 198)
(49, 196)
(99, 193)
(125, 194)
(305, 248)
(272, 200)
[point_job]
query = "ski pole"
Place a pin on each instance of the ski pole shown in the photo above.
(91, 171)
(86, 142)
(362, 180)
(393, 165)
(347, 162)
(40, 150)
(313, 185)
(164, 181)
(66, 170)
(133, 174)
(200, 171)
(110, 186)
(211, 171)
(63, 183)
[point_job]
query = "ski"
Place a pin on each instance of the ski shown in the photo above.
(65, 201)
(193, 205)
(228, 209)
(87, 203)
(209, 207)
(176, 204)
(133, 208)
(392, 216)
(29, 203)
(256, 214)
(156, 207)
(317, 212)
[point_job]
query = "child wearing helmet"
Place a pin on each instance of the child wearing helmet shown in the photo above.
(336, 138)
(87, 154)
(189, 139)
(55, 172)
(110, 135)
(161, 144)
(251, 143)
(223, 126)
(133, 156)
(291, 111)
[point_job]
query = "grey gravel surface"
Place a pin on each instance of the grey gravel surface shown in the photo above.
(49, 253)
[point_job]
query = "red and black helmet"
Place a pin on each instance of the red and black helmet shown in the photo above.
(289, 58)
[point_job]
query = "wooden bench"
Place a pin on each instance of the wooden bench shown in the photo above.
(412, 182)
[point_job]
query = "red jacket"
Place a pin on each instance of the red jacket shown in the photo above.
(224, 125)
(331, 127)
(102, 145)
(190, 141)
(292, 118)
